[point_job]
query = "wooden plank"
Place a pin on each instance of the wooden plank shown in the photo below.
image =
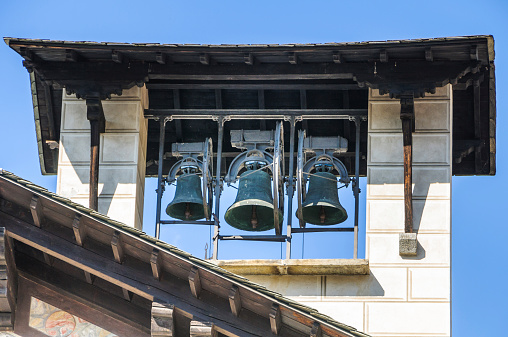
(162, 321)
(316, 330)
(235, 301)
(155, 262)
(79, 230)
(202, 329)
(36, 209)
(117, 246)
(195, 282)
(275, 319)
(407, 117)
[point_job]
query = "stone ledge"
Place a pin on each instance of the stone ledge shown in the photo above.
(296, 267)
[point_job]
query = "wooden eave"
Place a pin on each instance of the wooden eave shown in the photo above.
(392, 66)
(54, 243)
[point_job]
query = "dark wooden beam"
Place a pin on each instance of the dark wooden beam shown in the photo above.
(235, 301)
(254, 86)
(477, 126)
(337, 57)
(383, 55)
(248, 58)
(275, 319)
(117, 246)
(178, 122)
(79, 230)
(429, 55)
(202, 329)
(156, 263)
(36, 209)
(49, 110)
(162, 321)
(316, 330)
(95, 115)
(204, 59)
(407, 117)
(195, 282)
(6, 319)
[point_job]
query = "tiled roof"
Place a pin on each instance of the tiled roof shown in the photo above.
(174, 250)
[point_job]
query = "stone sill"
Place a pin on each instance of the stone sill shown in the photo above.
(296, 266)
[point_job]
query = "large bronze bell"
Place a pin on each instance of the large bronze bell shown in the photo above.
(188, 201)
(253, 207)
(321, 205)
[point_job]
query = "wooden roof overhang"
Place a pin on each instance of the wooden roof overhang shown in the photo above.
(313, 81)
(125, 281)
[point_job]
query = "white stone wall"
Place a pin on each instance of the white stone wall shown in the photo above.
(122, 161)
(402, 296)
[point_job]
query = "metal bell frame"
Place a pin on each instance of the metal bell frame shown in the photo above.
(304, 168)
(274, 163)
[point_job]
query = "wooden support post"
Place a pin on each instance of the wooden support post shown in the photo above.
(95, 115)
(127, 295)
(117, 246)
(202, 329)
(407, 117)
(275, 319)
(316, 330)
(156, 263)
(89, 277)
(195, 282)
(235, 301)
(36, 209)
(162, 322)
(79, 230)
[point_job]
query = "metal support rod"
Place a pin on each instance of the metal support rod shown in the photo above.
(356, 186)
(292, 121)
(220, 137)
(274, 238)
(160, 182)
(322, 230)
(186, 222)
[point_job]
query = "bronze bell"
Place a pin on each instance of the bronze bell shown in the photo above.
(188, 201)
(253, 206)
(321, 205)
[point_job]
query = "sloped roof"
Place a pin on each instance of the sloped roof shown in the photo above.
(20, 191)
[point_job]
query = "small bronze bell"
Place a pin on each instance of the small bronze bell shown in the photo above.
(253, 206)
(188, 201)
(322, 206)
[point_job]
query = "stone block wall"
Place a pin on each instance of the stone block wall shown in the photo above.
(122, 155)
(402, 296)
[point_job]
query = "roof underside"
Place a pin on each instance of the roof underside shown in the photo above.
(203, 80)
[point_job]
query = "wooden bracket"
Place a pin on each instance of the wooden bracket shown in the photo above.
(293, 58)
(204, 59)
(316, 330)
(337, 57)
(36, 209)
(71, 55)
(202, 329)
(117, 56)
(117, 246)
(429, 56)
(162, 322)
(195, 282)
(160, 57)
(127, 295)
(89, 277)
(79, 230)
(235, 301)
(407, 117)
(383, 56)
(275, 319)
(248, 58)
(156, 263)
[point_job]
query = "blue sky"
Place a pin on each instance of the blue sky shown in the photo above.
(479, 271)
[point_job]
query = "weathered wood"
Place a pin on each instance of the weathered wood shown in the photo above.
(162, 321)
(117, 246)
(36, 209)
(275, 319)
(79, 230)
(235, 301)
(95, 115)
(293, 58)
(316, 330)
(248, 58)
(156, 263)
(202, 329)
(204, 59)
(195, 282)
(407, 117)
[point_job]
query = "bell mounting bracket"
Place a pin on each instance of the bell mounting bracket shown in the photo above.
(190, 152)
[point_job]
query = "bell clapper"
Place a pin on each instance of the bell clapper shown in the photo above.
(254, 217)
(322, 215)
(187, 211)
